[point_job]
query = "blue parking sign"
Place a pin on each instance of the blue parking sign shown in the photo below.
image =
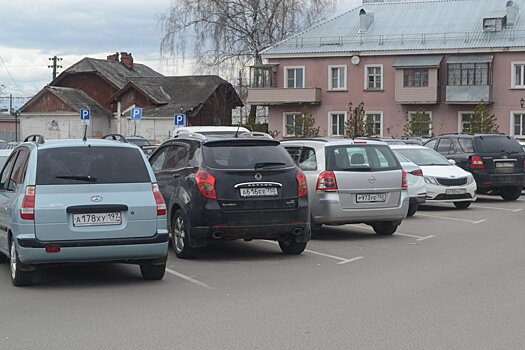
(84, 114)
(179, 119)
(136, 113)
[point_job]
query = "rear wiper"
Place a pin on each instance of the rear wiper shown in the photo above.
(441, 164)
(267, 164)
(77, 177)
(358, 168)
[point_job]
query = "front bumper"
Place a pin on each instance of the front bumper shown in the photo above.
(437, 193)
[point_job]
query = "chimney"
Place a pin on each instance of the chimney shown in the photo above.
(365, 20)
(512, 13)
(127, 60)
(113, 58)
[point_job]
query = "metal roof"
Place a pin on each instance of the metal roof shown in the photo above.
(418, 61)
(408, 26)
(470, 59)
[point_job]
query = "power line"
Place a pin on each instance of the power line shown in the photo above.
(7, 70)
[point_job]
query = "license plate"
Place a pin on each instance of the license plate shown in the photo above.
(97, 219)
(504, 164)
(259, 192)
(456, 191)
(371, 197)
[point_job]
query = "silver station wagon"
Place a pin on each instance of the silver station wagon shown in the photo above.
(352, 181)
(75, 201)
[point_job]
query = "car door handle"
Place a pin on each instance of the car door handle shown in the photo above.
(176, 176)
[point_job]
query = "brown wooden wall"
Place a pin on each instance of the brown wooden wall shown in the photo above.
(92, 85)
(48, 103)
(216, 110)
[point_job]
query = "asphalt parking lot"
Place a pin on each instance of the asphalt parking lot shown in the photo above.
(448, 279)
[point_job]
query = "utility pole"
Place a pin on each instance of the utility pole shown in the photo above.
(55, 59)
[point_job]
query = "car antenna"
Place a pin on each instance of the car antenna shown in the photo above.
(237, 132)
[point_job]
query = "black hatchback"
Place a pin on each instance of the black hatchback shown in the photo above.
(495, 160)
(231, 188)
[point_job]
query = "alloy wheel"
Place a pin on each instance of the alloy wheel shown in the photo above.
(179, 234)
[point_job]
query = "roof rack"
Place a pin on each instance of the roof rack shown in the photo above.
(190, 135)
(115, 137)
(39, 139)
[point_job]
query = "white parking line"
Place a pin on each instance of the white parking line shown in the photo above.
(341, 260)
(418, 238)
(188, 278)
(496, 208)
(451, 218)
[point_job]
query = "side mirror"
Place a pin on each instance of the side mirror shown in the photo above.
(452, 162)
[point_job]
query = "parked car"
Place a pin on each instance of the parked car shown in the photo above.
(390, 141)
(210, 130)
(4, 154)
(352, 181)
(12, 144)
(148, 150)
(138, 140)
(522, 143)
(74, 201)
(495, 160)
(445, 182)
(417, 190)
(220, 188)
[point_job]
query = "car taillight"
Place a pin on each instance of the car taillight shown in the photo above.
(27, 211)
(417, 172)
(404, 183)
(326, 181)
(161, 205)
(206, 184)
(476, 162)
(302, 186)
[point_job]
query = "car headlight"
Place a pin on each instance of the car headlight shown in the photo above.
(430, 180)
(470, 179)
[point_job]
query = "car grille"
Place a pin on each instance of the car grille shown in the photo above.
(452, 182)
(444, 197)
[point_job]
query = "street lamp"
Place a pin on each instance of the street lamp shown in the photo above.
(522, 102)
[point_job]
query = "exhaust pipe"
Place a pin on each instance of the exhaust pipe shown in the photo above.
(217, 235)
(297, 231)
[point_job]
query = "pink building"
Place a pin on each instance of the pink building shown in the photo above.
(396, 57)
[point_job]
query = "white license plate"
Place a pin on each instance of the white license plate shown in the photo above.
(259, 192)
(456, 191)
(371, 197)
(504, 164)
(97, 219)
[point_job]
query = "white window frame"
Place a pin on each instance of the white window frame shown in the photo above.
(431, 128)
(285, 134)
(345, 70)
(330, 114)
(286, 68)
(381, 121)
(460, 119)
(519, 111)
(366, 76)
(513, 75)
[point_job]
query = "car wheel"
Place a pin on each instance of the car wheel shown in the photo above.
(181, 228)
(412, 208)
(291, 247)
(385, 228)
(19, 278)
(152, 272)
(462, 205)
(510, 193)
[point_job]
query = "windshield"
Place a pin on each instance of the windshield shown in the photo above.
(422, 156)
(247, 157)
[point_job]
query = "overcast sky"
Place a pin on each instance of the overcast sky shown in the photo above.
(34, 30)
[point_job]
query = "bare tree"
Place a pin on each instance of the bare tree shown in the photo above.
(234, 32)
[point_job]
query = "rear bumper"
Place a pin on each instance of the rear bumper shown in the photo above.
(491, 181)
(273, 232)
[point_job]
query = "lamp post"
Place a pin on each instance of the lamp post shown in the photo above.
(522, 102)
(17, 114)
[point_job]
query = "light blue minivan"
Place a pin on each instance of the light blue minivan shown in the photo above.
(76, 201)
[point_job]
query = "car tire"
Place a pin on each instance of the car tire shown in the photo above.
(385, 228)
(3, 258)
(152, 272)
(510, 193)
(181, 229)
(19, 278)
(291, 246)
(462, 205)
(412, 208)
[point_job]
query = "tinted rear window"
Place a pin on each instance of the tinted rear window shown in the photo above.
(242, 156)
(360, 158)
(497, 144)
(75, 165)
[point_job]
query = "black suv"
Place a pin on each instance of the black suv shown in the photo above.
(495, 160)
(231, 188)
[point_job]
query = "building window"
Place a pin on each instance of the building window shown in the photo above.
(518, 74)
(468, 74)
(415, 77)
(519, 124)
(374, 77)
(464, 118)
(294, 77)
(426, 128)
(289, 123)
(337, 77)
(374, 121)
(337, 123)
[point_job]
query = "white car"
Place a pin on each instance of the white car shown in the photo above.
(445, 182)
(417, 190)
(211, 130)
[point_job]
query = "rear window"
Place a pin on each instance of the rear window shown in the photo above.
(101, 165)
(360, 158)
(241, 156)
(497, 144)
(139, 142)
